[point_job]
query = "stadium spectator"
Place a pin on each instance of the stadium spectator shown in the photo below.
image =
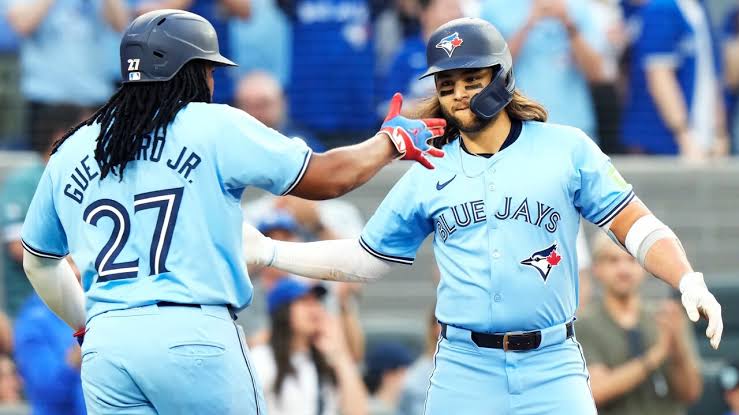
(10, 385)
(554, 44)
(307, 367)
(262, 42)
(729, 379)
(219, 13)
(413, 395)
(386, 366)
(731, 67)
(17, 192)
(332, 86)
(394, 24)
(62, 57)
(49, 361)
(10, 97)
(607, 97)
(641, 361)
(260, 94)
(340, 301)
(674, 104)
(410, 61)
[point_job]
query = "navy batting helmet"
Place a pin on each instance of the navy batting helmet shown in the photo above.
(471, 43)
(156, 45)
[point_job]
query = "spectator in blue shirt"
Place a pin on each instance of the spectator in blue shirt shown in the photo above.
(48, 360)
(674, 105)
(729, 378)
(332, 86)
(555, 46)
(731, 66)
(62, 56)
(410, 61)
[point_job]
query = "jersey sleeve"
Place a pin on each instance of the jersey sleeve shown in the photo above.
(399, 225)
(600, 192)
(662, 27)
(252, 154)
(43, 234)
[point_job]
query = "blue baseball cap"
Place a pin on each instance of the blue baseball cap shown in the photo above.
(288, 289)
(386, 356)
(277, 220)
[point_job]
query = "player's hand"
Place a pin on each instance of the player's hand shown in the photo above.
(412, 138)
(698, 301)
(258, 249)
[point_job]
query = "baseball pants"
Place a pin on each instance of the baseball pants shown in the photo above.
(168, 360)
(473, 380)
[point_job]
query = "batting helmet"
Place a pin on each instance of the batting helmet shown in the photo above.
(156, 45)
(471, 43)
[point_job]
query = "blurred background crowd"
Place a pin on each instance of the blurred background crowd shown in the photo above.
(643, 78)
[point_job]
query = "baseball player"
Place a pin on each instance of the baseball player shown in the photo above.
(503, 206)
(145, 196)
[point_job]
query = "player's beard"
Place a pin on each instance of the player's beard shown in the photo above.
(476, 125)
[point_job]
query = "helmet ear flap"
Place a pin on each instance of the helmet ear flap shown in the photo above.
(494, 97)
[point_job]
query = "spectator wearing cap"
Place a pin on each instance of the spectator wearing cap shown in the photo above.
(386, 366)
(306, 369)
(729, 379)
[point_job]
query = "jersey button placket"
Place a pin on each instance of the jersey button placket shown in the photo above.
(493, 253)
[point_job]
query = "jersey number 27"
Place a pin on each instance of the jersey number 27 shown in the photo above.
(166, 201)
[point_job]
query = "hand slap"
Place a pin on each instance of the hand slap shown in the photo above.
(412, 138)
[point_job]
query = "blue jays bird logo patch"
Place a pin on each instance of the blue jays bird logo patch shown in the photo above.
(544, 260)
(450, 43)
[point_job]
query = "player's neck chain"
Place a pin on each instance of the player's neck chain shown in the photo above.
(462, 153)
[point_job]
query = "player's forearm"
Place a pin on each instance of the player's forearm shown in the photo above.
(26, 17)
(337, 260)
(665, 91)
(56, 284)
(339, 171)
(664, 258)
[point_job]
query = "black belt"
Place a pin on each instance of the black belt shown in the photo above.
(510, 341)
(173, 304)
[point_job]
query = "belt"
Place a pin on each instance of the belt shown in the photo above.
(518, 341)
(173, 304)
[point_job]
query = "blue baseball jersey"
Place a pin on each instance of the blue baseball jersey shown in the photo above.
(504, 227)
(674, 34)
(170, 230)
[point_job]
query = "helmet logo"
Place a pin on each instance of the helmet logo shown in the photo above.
(450, 43)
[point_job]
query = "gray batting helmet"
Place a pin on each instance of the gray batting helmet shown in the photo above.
(471, 43)
(156, 45)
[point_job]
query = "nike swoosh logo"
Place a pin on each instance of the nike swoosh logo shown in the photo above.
(440, 186)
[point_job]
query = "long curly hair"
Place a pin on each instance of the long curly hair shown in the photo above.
(138, 110)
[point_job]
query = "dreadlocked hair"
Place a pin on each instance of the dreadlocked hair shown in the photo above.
(137, 110)
(520, 108)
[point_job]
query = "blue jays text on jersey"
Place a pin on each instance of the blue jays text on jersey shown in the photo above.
(170, 229)
(504, 227)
